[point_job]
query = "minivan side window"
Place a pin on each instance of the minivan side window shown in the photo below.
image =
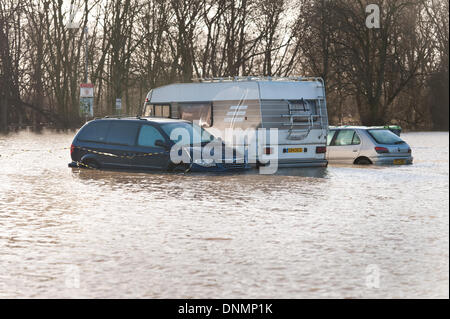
(149, 135)
(94, 132)
(122, 133)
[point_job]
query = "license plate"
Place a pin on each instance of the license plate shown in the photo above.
(295, 150)
(399, 162)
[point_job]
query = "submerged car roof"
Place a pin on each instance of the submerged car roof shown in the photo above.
(159, 120)
(348, 126)
(359, 127)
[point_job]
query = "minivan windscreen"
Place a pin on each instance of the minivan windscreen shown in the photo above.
(385, 137)
(197, 135)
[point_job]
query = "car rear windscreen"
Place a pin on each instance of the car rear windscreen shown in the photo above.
(94, 132)
(385, 137)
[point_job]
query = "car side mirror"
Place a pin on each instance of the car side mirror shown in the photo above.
(160, 143)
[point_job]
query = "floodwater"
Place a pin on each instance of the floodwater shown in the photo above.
(343, 231)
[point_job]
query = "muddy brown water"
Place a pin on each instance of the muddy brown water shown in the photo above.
(342, 231)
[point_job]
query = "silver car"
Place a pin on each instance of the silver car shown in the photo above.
(365, 145)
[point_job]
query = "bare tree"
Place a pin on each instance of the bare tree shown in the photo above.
(398, 72)
(374, 59)
(438, 13)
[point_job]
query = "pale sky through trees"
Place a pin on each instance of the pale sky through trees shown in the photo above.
(395, 74)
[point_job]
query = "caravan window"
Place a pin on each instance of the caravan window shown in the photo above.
(148, 109)
(157, 110)
(199, 113)
(304, 107)
(161, 110)
(300, 105)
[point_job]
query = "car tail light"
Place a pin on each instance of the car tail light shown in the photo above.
(321, 149)
(381, 150)
(72, 148)
(267, 150)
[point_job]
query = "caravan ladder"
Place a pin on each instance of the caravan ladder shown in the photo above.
(299, 117)
(322, 104)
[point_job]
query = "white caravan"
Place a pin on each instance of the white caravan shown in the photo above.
(296, 107)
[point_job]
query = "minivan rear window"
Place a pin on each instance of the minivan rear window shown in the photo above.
(94, 132)
(385, 137)
(122, 133)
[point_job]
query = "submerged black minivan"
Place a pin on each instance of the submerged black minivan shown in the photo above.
(145, 144)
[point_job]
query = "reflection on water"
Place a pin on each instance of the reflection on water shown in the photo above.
(322, 232)
(317, 172)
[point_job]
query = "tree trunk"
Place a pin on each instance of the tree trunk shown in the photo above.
(3, 115)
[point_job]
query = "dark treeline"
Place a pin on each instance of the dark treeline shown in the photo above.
(397, 73)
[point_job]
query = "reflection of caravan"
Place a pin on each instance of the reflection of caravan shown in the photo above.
(294, 106)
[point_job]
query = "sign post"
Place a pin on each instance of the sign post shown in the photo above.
(118, 105)
(87, 99)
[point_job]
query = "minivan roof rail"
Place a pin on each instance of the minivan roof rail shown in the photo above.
(256, 78)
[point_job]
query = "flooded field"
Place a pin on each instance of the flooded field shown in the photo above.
(343, 231)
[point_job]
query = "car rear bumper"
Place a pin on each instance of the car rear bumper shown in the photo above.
(314, 163)
(285, 163)
(391, 160)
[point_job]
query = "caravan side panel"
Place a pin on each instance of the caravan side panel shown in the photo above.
(236, 114)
